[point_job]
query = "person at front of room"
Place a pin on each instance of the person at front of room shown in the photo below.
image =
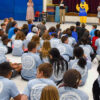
(30, 10)
(62, 12)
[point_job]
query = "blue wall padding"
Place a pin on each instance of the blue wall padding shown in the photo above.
(17, 8)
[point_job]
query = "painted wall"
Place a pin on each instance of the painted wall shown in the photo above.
(17, 8)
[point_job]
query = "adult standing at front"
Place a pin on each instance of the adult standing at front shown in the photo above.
(30, 10)
(62, 12)
(98, 9)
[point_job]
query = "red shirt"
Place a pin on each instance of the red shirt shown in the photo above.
(93, 42)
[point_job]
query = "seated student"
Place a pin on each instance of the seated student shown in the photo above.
(5, 41)
(71, 40)
(31, 34)
(54, 40)
(8, 88)
(52, 30)
(18, 46)
(42, 28)
(65, 49)
(3, 27)
(30, 25)
(30, 62)
(6, 20)
(44, 52)
(88, 51)
(36, 39)
(68, 90)
(44, 37)
(50, 93)
(74, 33)
(25, 29)
(16, 30)
(35, 86)
(94, 27)
(11, 30)
(80, 64)
(94, 40)
(97, 43)
(96, 86)
(60, 65)
(58, 30)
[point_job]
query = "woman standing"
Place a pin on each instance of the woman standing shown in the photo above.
(98, 9)
(30, 10)
(62, 12)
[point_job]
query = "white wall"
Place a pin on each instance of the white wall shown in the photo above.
(45, 2)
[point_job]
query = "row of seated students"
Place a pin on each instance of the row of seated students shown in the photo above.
(67, 50)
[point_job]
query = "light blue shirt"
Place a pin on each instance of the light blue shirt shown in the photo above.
(69, 93)
(84, 72)
(18, 48)
(30, 62)
(71, 41)
(34, 88)
(92, 33)
(65, 50)
(97, 43)
(8, 89)
(54, 42)
(87, 51)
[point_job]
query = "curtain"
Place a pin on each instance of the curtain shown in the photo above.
(93, 4)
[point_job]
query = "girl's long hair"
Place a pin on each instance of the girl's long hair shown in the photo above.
(45, 48)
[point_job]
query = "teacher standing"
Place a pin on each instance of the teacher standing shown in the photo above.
(30, 10)
(62, 12)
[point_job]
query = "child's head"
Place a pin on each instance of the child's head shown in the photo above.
(35, 30)
(43, 22)
(77, 23)
(46, 36)
(44, 70)
(14, 24)
(52, 29)
(78, 52)
(46, 48)
(16, 30)
(96, 32)
(1, 32)
(83, 25)
(30, 21)
(68, 31)
(3, 26)
(25, 26)
(36, 39)
(32, 47)
(20, 36)
(58, 26)
(11, 19)
(73, 28)
(84, 40)
(64, 39)
(5, 69)
(72, 78)
(5, 39)
(49, 93)
(54, 53)
(94, 26)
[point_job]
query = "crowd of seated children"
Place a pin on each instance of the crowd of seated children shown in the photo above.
(57, 52)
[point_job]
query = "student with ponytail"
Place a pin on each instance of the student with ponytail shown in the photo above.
(80, 64)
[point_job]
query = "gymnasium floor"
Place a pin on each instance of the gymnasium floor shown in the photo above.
(92, 75)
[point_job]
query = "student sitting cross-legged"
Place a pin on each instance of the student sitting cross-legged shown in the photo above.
(8, 88)
(68, 90)
(35, 86)
(30, 62)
